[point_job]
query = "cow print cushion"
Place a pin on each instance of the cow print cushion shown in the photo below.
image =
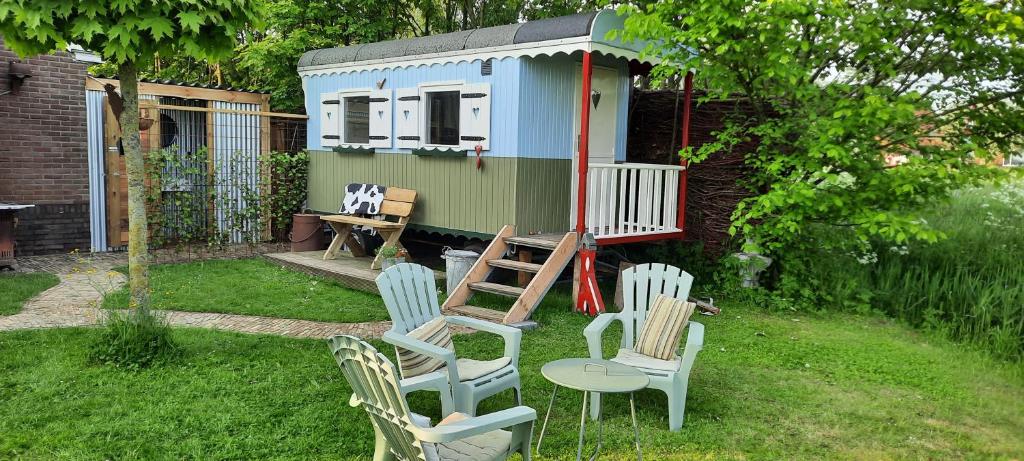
(362, 199)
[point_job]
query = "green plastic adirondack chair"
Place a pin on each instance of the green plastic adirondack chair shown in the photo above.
(407, 436)
(640, 285)
(410, 294)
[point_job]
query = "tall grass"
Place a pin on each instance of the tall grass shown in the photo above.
(969, 285)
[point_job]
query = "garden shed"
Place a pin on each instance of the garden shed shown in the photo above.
(221, 137)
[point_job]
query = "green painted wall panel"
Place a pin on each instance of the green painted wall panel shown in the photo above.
(543, 195)
(532, 194)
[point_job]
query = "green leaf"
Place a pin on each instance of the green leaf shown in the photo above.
(190, 20)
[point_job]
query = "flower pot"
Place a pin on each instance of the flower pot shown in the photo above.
(307, 233)
(388, 262)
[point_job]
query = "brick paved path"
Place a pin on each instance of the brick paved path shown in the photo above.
(84, 281)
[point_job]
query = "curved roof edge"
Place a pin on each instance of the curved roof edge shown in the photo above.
(584, 31)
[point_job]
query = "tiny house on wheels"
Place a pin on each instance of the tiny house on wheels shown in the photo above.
(514, 133)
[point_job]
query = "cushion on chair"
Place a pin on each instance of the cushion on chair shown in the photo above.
(434, 332)
(638, 360)
(492, 445)
(362, 199)
(664, 327)
(470, 369)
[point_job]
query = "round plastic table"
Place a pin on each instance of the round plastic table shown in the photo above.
(593, 375)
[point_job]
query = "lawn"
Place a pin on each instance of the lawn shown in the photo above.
(767, 385)
(254, 287)
(18, 287)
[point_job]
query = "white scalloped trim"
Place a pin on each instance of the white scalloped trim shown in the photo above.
(553, 48)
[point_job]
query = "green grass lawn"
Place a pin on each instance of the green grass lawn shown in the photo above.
(254, 287)
(18, 287)
(766, 386)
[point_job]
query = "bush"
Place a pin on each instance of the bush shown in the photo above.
(968, 286)
(133, 339)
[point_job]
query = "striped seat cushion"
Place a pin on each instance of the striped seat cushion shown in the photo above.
(664, 327)
(434, 332)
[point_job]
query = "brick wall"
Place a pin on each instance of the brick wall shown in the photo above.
(43, 155)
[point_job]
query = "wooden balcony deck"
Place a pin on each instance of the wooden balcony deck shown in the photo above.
(349, 271)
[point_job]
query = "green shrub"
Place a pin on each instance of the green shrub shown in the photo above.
(133, 339)
(968, 286)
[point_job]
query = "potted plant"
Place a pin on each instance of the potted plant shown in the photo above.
(390, 255)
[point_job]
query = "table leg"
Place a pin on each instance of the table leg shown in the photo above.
(583, 427)
(600, 432)
(544, 427)
(636, 430)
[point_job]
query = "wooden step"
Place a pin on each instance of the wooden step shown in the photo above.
(531, 296)
(533, 241)
(496, 288)
(481, 313)
(515, 265)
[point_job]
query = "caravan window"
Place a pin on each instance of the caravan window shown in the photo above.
(357, 120)
(443, 118)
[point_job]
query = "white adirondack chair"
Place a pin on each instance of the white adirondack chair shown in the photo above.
(404, 435)
(640, 285)
(410, 294)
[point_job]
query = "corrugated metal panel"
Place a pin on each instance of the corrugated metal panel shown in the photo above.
(452, 193)
(504, 82)
(185, 180)
(236, 153)
(97, 198)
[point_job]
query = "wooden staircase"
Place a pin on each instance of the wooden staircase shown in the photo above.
(533, 290)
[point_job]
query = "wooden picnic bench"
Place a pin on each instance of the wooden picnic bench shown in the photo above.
(394, 211)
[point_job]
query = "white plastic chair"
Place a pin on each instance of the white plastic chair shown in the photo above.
(407, 436)
(410, 294)
(640, 285)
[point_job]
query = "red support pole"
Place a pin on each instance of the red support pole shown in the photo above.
(588, 296)
(583, 160)
(687, 97)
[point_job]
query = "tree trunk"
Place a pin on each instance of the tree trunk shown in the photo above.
(138, 249)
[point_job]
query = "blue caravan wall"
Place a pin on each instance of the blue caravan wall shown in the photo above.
(504, 80)
(533, 100)
(548, 101)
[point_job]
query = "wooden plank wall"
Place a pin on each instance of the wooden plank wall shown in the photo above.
(532, 194)
(543, 195)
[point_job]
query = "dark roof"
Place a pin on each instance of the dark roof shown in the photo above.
(188, 84)
(577, 25)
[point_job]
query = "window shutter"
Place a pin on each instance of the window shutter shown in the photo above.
(475, 117)
(330, 120)
(380, 118)
(407, 118)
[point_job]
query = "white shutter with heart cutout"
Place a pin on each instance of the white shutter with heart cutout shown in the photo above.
(475, 117)
(330, 120)
(380, 118)
(407, 118)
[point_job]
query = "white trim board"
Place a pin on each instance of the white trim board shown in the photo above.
(549, 48)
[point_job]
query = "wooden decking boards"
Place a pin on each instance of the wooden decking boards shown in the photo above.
(351, 272)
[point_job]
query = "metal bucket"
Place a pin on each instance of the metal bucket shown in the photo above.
(457, 264)
(307, 233)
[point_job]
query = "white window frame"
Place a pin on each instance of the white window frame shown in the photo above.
(434, 87)
(342, 95)
(1010, 160)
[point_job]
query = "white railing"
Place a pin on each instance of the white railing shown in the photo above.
(628, 199)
